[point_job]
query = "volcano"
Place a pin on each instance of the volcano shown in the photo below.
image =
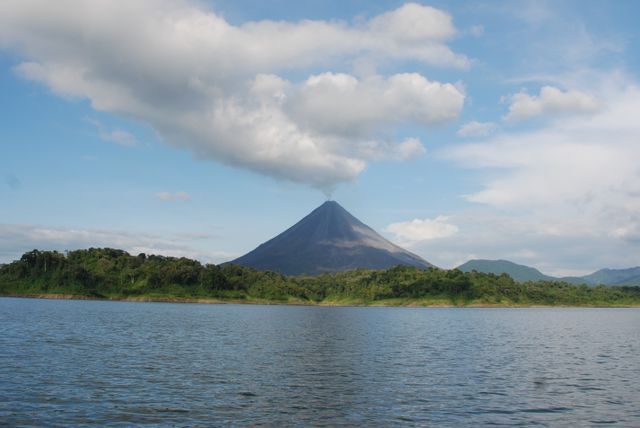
(329, 239)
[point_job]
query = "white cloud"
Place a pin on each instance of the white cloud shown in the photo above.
(341, 104)
(414, 23)
(213, 87)
(168, 196)
(572, 185)
(551, 100)
(563, 196)
(476, 129)
(15, 239)
(410, 148)
(489, 234)
(418, 230)
(120, 136)
(116, 135)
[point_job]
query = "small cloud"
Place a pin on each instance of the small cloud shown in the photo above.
(419, 230)
(476, 30)
(550, 100)
(168, 196)
(120, 136)
(410, 148)
(629, 232)
(116, 135)
(476, 129)
(13, 181)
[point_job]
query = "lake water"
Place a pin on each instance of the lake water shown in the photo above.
(120, 363)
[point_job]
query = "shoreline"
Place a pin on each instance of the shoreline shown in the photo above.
(383, 304)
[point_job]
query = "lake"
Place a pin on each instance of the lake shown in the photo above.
(65, 362)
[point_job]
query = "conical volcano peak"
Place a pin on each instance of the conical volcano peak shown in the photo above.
(328, 239)
(330, 205)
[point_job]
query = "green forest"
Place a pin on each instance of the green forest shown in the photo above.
(105, 273)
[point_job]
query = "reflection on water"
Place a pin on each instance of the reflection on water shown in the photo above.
(88, 362)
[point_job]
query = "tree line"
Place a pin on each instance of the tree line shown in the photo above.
(115, 274)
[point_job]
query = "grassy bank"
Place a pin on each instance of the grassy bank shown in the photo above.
(116, 275)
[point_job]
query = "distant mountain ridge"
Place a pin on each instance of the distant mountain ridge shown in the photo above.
(514, 270)
(630, 276)
(329, 239)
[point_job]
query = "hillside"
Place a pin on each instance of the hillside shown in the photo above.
(514, 270)
(615, 276)
(630, 276)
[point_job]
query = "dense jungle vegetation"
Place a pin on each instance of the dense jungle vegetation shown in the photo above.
(107, 273)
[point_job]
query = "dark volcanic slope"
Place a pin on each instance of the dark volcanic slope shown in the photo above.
(329, 239)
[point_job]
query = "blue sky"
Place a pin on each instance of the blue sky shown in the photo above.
(457, 129)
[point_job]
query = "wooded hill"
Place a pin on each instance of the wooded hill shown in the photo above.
(114, 274)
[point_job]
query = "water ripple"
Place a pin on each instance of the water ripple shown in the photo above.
(120, 364)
